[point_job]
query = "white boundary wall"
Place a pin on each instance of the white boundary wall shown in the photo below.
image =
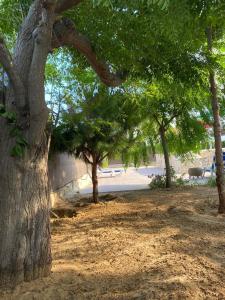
(67, 174)
(203, 159)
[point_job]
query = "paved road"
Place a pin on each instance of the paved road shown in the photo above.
(132, 179)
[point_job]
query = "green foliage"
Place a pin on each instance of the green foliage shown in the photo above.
(180, 181)
(137, 153)
(100, 126)
(105, 163)
(212, 182)
(140, 36)
(12, 14)
(176, 107)
(166, 48)
(159, 181)
(161, 43)
(15, 132)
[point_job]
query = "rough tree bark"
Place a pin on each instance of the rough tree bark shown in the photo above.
(217, 129)
(24, 194)
(25, 236)
(166, 156)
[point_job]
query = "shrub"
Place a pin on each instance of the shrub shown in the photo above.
(211, 182)
(159, 181)
(180, 181)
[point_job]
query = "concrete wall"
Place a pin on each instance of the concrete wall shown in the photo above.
(68, 174)
(202, 159)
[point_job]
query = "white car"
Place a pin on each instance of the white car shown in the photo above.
(109, 172)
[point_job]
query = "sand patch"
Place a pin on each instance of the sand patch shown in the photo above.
(145, 245)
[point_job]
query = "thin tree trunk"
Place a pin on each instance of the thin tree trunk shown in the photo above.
(153, 149)
(95, 181)
(217, 129)
(166, 156)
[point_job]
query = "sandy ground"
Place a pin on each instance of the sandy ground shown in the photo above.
(144, 245)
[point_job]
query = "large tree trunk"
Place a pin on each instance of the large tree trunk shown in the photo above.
(24, 205)
(24, 195)
(217, 129)
(166, 156)
(95, 181)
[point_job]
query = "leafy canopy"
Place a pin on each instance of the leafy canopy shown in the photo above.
(98, 126)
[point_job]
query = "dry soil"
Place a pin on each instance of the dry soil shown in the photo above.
(141, 245)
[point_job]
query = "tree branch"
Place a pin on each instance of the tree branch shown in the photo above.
(24, 47)
(87, 159)
(103, 157)
(157, 120)
(6, 62)
(65, 34)
(170, 120)
(64, 5)
(176, 114)
(42, 42)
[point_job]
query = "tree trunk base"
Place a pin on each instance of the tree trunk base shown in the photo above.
(25, 249)
(221, 210)
(10, 279)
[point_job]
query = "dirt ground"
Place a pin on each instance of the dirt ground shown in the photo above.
(143, 245)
